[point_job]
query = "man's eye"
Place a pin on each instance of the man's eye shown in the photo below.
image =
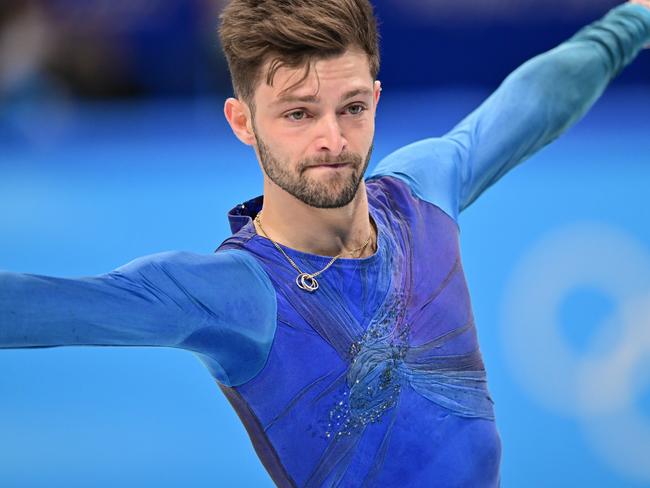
(356, 109)
(296, 115)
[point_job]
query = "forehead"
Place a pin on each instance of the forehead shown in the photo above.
(336, 73)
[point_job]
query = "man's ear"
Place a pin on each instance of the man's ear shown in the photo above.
(377, 91)
(239, 117)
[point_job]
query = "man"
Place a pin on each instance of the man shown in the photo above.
(336, 318)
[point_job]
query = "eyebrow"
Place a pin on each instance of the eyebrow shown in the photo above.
(315, 99)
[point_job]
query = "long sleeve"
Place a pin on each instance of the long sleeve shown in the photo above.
(531, 108)
(220, 306)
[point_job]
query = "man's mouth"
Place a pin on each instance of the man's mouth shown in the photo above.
(332, 166)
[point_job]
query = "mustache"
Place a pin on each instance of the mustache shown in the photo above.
(340, 159)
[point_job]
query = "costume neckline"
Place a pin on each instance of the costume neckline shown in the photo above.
(241, 219)
(321, 259)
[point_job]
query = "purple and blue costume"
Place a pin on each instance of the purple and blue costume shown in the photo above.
(379, 365)
(376, 379)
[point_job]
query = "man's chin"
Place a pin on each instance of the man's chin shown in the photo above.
(330, 200)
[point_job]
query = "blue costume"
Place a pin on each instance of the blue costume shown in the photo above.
(375, 379)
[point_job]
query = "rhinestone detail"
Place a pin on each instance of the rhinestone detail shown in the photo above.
(374, 379)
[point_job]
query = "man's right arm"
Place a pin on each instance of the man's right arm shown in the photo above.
(221, 306)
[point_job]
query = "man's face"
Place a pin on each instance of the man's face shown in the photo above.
(315, 140)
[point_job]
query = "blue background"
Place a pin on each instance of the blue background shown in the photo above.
(86, 186)
(128, 180)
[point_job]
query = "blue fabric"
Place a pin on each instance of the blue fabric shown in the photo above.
(375, 379)
(531, 108)
(173, 299)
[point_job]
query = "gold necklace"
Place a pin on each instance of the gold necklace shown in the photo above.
(306, 281)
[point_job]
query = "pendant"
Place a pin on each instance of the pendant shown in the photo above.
(306, 282)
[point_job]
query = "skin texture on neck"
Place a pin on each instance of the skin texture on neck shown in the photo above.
(327, 232)
(327, 119)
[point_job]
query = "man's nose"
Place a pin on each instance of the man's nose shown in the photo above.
(330, 136)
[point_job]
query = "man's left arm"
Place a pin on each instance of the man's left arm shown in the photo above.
(532, 107)
(545, 96)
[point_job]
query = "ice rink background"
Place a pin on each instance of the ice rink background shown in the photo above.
(557, 258)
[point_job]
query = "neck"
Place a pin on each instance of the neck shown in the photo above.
(321, 231)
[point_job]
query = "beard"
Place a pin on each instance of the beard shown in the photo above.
(333, 190)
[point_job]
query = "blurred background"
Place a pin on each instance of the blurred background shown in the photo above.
(113, 146)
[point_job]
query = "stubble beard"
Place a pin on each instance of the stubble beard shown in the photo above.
(335, 190)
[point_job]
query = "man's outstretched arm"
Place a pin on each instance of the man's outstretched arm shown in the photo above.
(646, 4)
(177, 299)
(531, 108)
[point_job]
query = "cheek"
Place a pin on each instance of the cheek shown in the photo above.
(361, 134)
(275, 143)
(286, 156)
(294, 148)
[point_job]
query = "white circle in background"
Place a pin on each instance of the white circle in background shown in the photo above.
(607, 383)
(585, 254)
(609, 389)
(600, 387)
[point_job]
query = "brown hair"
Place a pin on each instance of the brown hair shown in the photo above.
(292, 33)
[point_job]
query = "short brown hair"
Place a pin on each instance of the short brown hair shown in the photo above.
(292, 33)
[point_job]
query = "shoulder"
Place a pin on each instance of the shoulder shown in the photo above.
(234, 295)
(217, 283)
(430, 168)
(235, 264)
